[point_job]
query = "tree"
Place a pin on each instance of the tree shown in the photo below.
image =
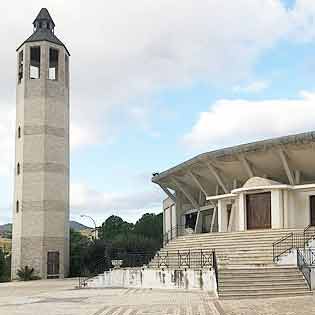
(2, 264)
(150, 225)
(79, 246)
(113, 227)
(135, 244)
(5, 266)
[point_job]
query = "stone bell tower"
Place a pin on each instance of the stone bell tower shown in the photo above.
(40, 237)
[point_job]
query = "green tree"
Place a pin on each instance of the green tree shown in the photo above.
(2, 265)
(150, 225)
(5, 266)
(113, 227)
(79, 247)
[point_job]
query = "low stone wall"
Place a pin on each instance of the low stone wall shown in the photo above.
(158, 279)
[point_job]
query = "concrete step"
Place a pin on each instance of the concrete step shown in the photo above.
(260, 285)
(261, 290)
(259, 271)
(259, 281)
(264, 295)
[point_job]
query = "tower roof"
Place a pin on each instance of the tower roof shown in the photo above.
(44, 30)
(43, 15)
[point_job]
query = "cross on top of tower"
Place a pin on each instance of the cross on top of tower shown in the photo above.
(44, 30)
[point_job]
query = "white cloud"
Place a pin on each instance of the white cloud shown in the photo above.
(230, 122)
(82, 136)
(103, 204)
(302, 20)
(125, 51)
(253, 87)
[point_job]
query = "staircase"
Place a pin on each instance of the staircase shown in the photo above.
(261, 282)
(245, 263)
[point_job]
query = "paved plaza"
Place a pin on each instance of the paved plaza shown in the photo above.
(59, 297)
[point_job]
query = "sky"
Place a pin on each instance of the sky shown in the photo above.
(155, 82)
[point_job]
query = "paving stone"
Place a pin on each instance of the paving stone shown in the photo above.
(58, 297)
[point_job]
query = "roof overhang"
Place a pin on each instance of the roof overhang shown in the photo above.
(237, 164)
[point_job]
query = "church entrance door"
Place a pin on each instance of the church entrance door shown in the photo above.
(258, 211)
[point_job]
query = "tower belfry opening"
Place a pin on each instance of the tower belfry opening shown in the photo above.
(40, 237)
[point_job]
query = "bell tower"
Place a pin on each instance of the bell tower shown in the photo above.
(40, 237)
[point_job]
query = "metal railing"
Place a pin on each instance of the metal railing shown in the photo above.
(133, 259)
(304, 267)
(88, 272)
(292, 240)
(309, 233)
(215, 267)
(163, 261)
(129, 259)
(181, 230)
(176, 231)
(198, 259)
(309, 256)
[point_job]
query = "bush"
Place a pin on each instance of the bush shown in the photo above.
(26, 274)
(5, 266)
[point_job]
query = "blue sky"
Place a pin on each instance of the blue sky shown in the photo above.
(156, 82)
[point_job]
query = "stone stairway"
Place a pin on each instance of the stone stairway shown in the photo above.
(245, 263)
(261, 282)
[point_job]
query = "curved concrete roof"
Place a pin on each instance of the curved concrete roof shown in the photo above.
(264, 145)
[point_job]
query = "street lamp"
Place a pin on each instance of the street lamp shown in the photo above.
(87, 216)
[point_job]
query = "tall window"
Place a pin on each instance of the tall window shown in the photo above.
(19, 132)
(20, 74)
(35, 63)
(18, 169)
(17, 207)
(53, 64)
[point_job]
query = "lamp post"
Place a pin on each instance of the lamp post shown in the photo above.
(87, 216)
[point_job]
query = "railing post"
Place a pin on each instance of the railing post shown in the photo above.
(273, 252)
(201, 259)
(292, 240)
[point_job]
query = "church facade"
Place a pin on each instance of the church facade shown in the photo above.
(263, 185)
(40, 237)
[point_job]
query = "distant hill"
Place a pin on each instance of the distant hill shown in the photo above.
(78, 226)
(73, 225)
(6, 227)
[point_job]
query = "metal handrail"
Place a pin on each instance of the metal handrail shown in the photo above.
(304, 267)
(215, 267)
(130, 259)
(84, 278)
(309, 233)
(279, 248)
(173, 233)
(292, 240)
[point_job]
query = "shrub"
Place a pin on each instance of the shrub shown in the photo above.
(26, 274)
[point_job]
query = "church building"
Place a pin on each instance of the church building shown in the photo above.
(262, 185)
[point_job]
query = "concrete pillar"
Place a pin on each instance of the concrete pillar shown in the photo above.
(276, 209)
(222, 216)
(285, 209)
(241, 224)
